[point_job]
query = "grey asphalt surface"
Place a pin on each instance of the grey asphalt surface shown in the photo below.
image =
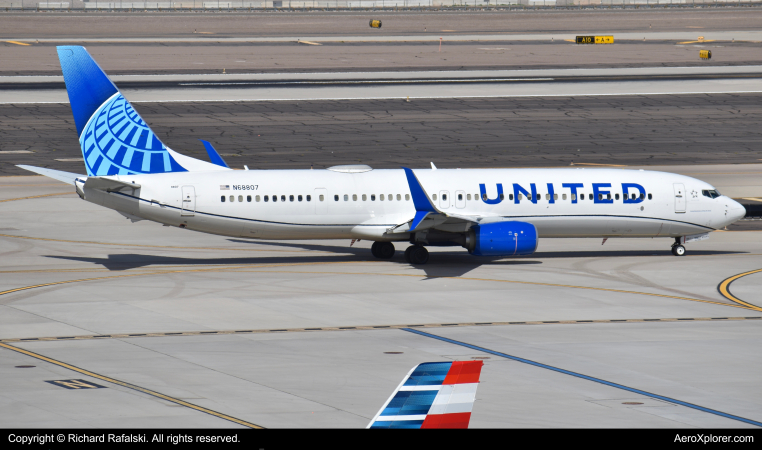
(165, 25)
(664, 327)
(514, 132)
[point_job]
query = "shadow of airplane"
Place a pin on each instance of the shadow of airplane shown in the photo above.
(443, 264)
(455, 263)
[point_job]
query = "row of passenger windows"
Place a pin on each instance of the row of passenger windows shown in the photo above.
(391, 197)
(299, 198)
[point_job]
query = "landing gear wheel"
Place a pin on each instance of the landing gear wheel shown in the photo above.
(417, 255)
(678, 250)
(407, 254)
(382, 250)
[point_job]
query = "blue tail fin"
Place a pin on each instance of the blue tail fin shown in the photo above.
(114, 138)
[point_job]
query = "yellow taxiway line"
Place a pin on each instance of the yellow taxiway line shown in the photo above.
(34, 196)
(724, 289)
(131, 386)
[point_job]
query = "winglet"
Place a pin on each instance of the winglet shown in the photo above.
(420, 198)
(214, 157)
(432, 395)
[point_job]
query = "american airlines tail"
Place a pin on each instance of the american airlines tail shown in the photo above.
(489, 212)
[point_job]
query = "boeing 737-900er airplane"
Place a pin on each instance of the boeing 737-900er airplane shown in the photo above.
(490, 212)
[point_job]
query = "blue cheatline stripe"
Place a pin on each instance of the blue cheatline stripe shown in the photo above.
(579, 375)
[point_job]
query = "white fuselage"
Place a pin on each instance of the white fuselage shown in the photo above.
(367, 205)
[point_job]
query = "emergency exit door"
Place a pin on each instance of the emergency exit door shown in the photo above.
(188, 204)
(679, 198)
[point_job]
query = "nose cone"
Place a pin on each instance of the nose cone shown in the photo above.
(736, 211)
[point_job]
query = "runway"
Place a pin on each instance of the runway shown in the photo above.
(204, 331)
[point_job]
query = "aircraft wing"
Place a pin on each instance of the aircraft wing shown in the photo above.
(432, 395)
(427, 215)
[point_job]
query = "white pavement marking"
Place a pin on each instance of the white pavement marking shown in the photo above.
(384, 92)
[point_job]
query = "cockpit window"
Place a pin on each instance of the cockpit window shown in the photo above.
(713, 193)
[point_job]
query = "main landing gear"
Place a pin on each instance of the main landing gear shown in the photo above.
(417, 254)
(382, 250)
(677, 248)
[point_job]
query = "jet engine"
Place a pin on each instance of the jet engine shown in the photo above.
(502, 239)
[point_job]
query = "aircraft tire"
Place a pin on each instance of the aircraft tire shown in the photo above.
(385, 250)
(418, 255)
(374, 249)
(678, 250)
(407, 254)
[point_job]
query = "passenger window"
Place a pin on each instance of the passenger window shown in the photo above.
(373, 197)
(283, 198)
(510, 196)
(364, 197)
(346, 197)
(434, 197)
(222, 199)
(321, 197)
(381, 198)
(460, 197)
(642, 196)
(484, 196)
(248, 198)
(547, 196)
(590, 196)
(600, 196)
(275, 198)
(582, 196)
(502, 197)
(267, 198)
(309, 198)
(564, 196)
(616, 196)
(468, 197)
(256, 198)
(520, 197)
(240, 198)
(555, 196)
(291, 198)
(232, 198)
(354, 197)
(335, 198)
(649, 196)
(299, 198)
(407, 197)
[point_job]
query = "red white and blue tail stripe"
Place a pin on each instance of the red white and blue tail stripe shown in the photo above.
(432, 395)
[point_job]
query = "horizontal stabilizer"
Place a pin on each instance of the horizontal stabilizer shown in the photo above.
(66, 177)
(432, 395)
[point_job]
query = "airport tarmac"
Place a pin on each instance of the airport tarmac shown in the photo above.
(171, 328)
(696, 129)
(191, 330)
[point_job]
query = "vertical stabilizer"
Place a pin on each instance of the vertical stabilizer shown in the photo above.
(432, 395)
(114, 138)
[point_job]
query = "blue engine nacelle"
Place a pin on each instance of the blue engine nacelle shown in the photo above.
(502, 239)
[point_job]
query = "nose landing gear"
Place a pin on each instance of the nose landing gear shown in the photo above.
(382, 250)
(417, 254)
(677, 248)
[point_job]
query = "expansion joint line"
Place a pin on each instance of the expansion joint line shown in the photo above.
(131, 386)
